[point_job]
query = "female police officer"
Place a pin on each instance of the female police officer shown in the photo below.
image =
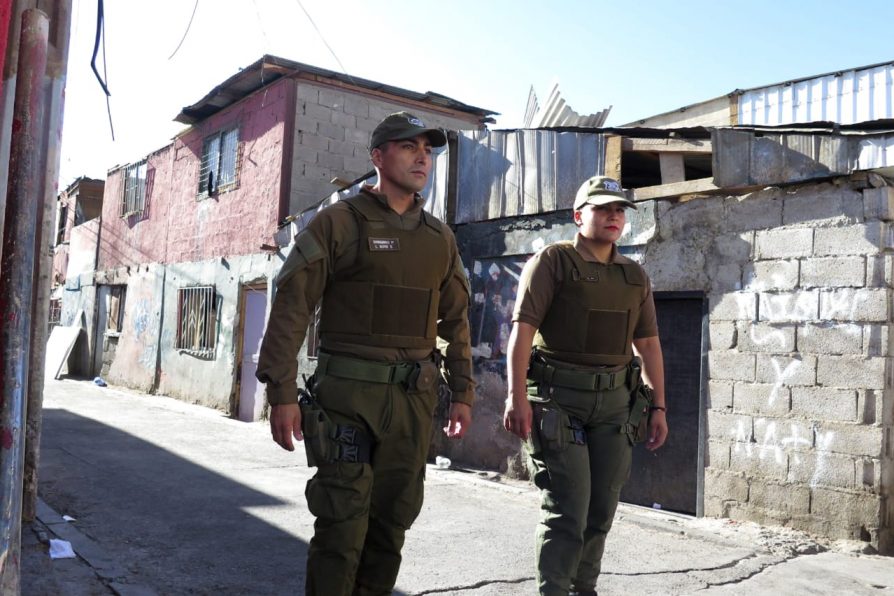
(578, 397)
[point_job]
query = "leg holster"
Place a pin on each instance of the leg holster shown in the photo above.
(637, 426)
(327, 442)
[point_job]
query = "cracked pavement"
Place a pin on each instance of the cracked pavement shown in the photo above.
(172, 498)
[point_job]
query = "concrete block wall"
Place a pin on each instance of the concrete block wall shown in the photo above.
(799, 369)
(332, 130)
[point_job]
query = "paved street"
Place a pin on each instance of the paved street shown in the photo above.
(171, 498)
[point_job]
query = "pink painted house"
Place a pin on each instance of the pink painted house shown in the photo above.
(189, 241)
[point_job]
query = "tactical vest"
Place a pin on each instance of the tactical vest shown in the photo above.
(593, 313)
(389, 296)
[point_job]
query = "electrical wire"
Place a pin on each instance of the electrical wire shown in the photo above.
(103, 80)
(185, 33)
(328, 47)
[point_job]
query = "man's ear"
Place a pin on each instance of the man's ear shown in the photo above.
(577, 220)
(376, 156)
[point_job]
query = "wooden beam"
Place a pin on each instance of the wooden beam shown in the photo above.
(613, 157)
(675, 189)
(667, 145)
(672, 168)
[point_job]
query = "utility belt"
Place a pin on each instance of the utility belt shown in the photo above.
(556, 428)
(547, 374)
(414, 375)
(327, 442)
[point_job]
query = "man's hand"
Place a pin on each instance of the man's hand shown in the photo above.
(285, 422)
(460, 419)
(518, 417)
(657, 430)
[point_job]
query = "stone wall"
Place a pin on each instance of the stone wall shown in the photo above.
(798, 395)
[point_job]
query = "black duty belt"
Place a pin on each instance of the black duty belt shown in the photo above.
(370, 371)
(576, 379)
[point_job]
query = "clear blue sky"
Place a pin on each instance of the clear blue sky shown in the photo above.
(641, 57)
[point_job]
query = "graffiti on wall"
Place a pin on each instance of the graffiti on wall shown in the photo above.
(494, 287)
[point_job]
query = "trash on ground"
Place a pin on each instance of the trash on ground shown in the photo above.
(61, 549)
(68, 518)
(99, 381)
(442, 462)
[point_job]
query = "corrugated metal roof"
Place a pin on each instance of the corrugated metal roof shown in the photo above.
(270, 68)
(523, 172)
(845, 97)
(558, 113)
(875, 153)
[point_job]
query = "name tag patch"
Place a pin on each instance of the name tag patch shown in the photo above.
(384, 244)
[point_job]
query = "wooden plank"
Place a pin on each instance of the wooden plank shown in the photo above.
(672, 168)
(734, 109)
(702, 185)
(613, 157)
(667, 145)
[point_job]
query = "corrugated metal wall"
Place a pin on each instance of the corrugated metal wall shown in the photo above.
(523, 172)
(846, 98)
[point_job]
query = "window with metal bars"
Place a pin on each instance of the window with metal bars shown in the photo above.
(55, 312)
(134, 200)
(197, 320)
(219, 163)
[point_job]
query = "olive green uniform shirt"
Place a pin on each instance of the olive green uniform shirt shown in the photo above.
(543, 274)
(300, 286)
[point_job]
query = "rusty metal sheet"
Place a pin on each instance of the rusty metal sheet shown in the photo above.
(522, 172)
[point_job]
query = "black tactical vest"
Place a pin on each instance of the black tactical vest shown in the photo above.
(593, 313)
(389, 296)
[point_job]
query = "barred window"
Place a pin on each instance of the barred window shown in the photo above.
(55, 312)
(197, 320)
(219, 162)
(134, 200)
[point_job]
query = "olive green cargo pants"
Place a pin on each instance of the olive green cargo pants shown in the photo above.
(364, 509)
(580, 486)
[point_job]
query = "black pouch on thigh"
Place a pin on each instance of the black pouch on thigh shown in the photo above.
(327, 442)
(637, 427)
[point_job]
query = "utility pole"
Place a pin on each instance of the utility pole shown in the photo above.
(21, 238)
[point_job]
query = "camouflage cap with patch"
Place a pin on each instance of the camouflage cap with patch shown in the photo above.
(403, 125)
(601, 190)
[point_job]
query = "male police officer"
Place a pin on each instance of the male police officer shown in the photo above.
(583, 306)
(391, 281)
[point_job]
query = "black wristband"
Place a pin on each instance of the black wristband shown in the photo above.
(653, 408)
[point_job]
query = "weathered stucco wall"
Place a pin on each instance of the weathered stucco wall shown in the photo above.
(208, 381)
(136, 352)
(332, 129)
(799, 286)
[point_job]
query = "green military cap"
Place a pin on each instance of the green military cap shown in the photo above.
(403, 125)
(601, 190)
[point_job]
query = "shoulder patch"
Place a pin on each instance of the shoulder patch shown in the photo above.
(307, 245)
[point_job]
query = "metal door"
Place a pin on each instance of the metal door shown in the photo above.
(670, 476)
(251, 392)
